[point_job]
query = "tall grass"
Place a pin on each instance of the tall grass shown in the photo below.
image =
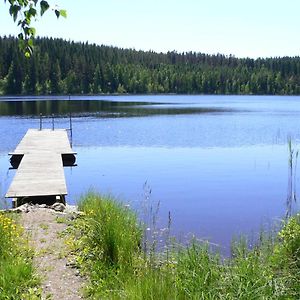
(109, 250)
(16, 269)
(292, 175)
(110, 244)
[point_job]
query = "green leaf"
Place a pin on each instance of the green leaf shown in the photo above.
(32, 12)
(32, 31)
(21, 44)
(28, 51)
(30, 43)
(27, 54)
(20, 36)
(14, 10)
(44, 7)
(57, 12)
(26, 31)
(63, 13)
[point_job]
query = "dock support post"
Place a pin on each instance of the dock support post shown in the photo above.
(71, 129)
(60, 199)
(14, 203)
(41, 121)
(52, 121)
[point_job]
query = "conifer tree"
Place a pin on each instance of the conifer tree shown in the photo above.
(55, 78)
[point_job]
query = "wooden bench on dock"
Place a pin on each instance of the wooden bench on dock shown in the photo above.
(39, 159)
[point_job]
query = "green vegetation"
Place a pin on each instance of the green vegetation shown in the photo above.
(22, 12)
(109, 245)
(110, 240)
(109, 249)
(60, 67)
(17, 280)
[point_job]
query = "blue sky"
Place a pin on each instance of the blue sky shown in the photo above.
(256, 28)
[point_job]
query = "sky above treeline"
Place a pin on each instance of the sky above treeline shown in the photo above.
(243, 28)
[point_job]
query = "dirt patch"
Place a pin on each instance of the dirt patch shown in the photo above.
(59, 279)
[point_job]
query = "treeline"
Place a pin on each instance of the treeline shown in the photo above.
(61, 67)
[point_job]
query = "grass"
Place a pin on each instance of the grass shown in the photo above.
(108, 242)
(44, 226)
(61, 220)
(17, 279)
(110, 239)
(108, 246)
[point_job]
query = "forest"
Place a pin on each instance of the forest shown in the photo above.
(65, 67)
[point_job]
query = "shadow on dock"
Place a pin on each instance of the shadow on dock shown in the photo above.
(48, 200)
(67, 159)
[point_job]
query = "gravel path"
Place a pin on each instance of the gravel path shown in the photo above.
(59, 280)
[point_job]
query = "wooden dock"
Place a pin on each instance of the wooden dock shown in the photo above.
(40, 159)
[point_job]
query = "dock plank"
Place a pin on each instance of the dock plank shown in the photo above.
(40, 172)
(44, 140)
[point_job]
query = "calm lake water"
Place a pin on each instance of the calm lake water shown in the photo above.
(219, 164)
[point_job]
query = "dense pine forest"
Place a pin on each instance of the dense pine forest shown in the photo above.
(62, 67)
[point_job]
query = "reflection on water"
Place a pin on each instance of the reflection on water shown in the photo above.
(219, 164)
(95, 108)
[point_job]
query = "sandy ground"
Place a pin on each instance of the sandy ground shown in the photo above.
(59, 279)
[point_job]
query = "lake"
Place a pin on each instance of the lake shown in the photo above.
(218, 164)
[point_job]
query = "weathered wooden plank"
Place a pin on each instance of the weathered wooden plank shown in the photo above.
(44, 140)
(40, 172)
